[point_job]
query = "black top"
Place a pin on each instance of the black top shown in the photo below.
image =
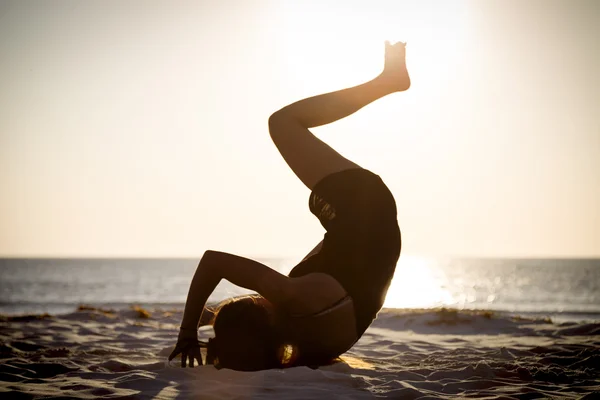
(362, 243)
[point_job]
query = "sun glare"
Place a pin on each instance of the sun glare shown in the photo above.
(327, 47)
(324, 37)
(416, 286)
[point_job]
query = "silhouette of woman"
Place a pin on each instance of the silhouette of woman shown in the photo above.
(330, 298)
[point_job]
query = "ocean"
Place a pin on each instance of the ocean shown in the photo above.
(561, 289)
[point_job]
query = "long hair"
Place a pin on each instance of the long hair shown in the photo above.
(246, 337)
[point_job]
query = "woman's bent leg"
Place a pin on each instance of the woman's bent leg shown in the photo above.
(310, 158)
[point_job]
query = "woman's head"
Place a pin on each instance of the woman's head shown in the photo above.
(246, 337)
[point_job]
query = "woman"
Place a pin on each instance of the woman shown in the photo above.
(328, 300)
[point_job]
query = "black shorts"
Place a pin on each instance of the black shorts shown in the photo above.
(362, 243)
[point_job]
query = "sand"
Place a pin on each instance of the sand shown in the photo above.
(409, 354)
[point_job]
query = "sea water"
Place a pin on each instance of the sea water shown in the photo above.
(564, 289)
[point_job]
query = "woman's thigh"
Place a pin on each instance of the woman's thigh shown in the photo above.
(309, 157)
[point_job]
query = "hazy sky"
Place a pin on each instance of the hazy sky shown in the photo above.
(139, 128)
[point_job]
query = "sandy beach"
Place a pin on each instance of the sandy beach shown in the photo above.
(411, 354)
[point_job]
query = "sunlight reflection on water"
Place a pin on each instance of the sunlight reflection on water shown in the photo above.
(526, 285)
(417, 284)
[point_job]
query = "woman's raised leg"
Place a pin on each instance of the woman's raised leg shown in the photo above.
(310, 158)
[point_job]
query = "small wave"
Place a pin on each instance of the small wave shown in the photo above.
(470, 322)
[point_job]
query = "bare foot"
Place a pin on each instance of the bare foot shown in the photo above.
(394, 72)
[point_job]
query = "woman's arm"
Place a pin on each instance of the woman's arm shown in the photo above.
(213, 267)
(243, 272)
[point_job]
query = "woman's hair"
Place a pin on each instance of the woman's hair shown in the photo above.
(246, 337)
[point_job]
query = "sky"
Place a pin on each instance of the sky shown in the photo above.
(139, 128)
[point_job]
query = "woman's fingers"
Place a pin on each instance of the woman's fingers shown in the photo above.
(195, 354)
(174, 353)
(187, 356)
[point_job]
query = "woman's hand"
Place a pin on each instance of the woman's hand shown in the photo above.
(189, 348)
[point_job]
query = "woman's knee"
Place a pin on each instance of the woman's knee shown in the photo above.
(277, 122)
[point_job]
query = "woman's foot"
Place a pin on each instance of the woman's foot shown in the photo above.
(395, 75)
